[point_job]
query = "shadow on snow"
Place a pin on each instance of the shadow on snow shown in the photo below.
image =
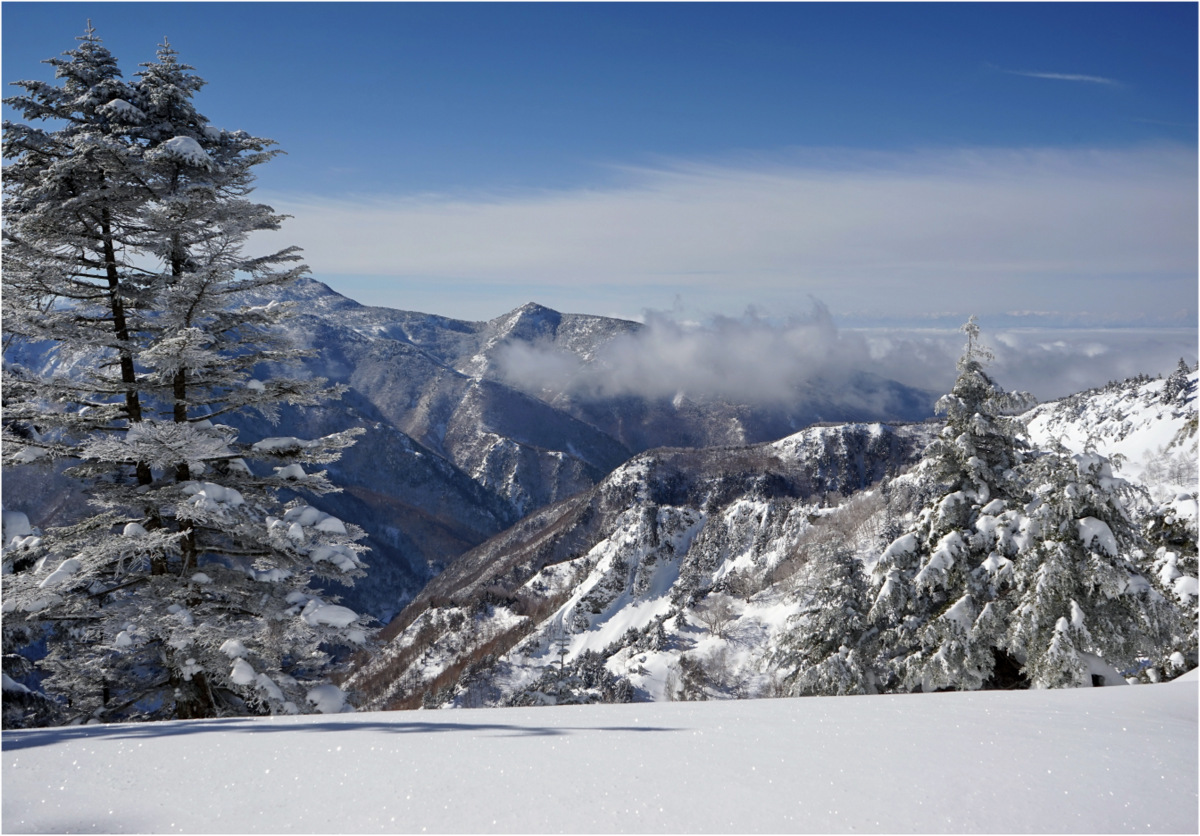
(33, 738)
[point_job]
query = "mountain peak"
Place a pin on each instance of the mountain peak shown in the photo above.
(531, 321)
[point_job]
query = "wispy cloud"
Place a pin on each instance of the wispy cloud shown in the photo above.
(972, 230)
(1088, 79)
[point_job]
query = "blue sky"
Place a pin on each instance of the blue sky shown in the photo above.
(1026, 162)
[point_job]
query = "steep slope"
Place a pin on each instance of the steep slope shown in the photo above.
(612, 565)
(682, 572)
(1150, 424)
(454, 453)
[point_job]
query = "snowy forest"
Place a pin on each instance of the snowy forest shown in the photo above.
(196, 562)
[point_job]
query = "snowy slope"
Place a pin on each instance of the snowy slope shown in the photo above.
(609, 571)
(456, 450)
(1155, 433)
(609, 596)
(1111, 760)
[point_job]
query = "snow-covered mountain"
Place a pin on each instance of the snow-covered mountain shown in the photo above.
(609, 571)
(679, 573)
(1150, 424)
(455, 451)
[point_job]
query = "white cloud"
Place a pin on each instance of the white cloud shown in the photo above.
(1049, 362)
(1091, 79)
(755, 359)
(973, 230)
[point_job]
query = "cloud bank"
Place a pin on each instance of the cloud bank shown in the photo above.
(758, 360)
(1110, 231)
(748, 359)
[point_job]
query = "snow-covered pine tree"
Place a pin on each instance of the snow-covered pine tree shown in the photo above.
(71, 196)
(1077, 589)
(190, 592)
(937, 585)
(1178, 386)
(1022, 561)
(1171, 530)
(825, 651)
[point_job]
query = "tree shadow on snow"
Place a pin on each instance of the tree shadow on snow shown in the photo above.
(33, 738)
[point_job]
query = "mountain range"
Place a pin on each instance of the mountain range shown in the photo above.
(458, 447)
(679, 573)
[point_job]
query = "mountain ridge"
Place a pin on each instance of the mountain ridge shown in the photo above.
(459, 452)
(616, 594)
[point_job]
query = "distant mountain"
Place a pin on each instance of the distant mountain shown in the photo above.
(616, 593)
(455, 452)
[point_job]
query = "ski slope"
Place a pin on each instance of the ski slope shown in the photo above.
(1091, 760)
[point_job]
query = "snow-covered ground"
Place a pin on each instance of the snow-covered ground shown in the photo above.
(1090, 760)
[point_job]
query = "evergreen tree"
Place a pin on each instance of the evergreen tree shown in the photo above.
(1077, 587)
(1178, 387)
(937, 586)
(190, 591)
(1020, 559)
(71, 198)
(826, 649)
(1171, 531)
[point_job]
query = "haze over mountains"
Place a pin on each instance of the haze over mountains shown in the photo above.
(470, 426)
(473, 426)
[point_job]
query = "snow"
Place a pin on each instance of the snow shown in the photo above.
(211, 496)
(186, 149)
(63, 573)
(10, 684)
(331, 615)
(340, 556)
(30, 454)
(1128, 421)
(292, 471)
(308, 515)
(234, 648)
(1084, 760)
(1096, 534)
(242, 673)
(1186, 588)
(280, 444)
(14, 524)
(126, 110)
(962, 614)
(328, 699)
(331, 525)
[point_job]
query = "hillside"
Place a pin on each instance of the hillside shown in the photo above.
(458, 446)
(680, 574)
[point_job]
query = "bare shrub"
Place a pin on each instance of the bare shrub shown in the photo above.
(716, 613)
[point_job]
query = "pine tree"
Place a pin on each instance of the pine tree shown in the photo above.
(71, 196)
(826, 650)
(1021, 558)
(1178, 387)
(1171, 532)
(1077, 587)
(189, 592)
(937, 585)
